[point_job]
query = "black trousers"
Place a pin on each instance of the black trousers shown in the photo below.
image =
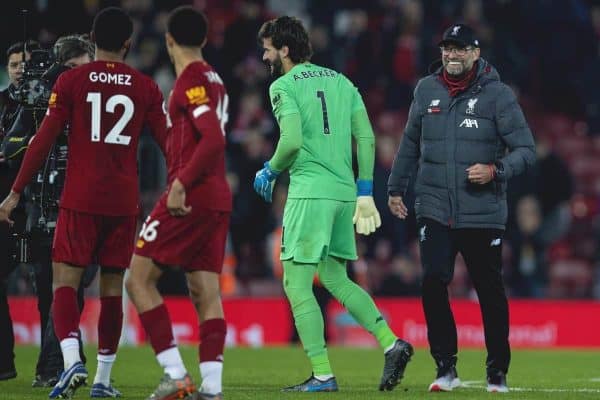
(482, 252)
(7, 265)
(7, 339)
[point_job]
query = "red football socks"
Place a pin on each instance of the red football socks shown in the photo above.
(157, 325)
(110, 324)
(212, 340)
(65, 313)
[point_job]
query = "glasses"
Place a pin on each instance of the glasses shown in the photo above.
(458, 51)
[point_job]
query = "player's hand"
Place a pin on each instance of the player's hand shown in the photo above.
(397, 207)
(265, 181)
(176, 200)
(7, 206)
(480, 173)
(366, 217)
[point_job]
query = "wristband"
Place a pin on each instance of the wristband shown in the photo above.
(364, 187)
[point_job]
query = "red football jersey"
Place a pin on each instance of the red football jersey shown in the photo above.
(196, 137)
(106, 105)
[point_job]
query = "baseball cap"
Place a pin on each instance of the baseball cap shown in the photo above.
(461, 35)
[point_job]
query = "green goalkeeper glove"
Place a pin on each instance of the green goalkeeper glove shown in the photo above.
(366, 218)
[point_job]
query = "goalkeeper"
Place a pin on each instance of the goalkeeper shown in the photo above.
(319, 111)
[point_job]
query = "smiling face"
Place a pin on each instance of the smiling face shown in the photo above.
(458, 60)
(272, 57)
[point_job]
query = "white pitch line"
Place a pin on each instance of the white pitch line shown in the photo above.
(479, 385)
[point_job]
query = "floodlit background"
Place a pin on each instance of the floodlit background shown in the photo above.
(547, 51)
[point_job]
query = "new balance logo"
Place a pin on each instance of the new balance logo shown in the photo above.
(496, 242)
(422, 234)
(469, 123)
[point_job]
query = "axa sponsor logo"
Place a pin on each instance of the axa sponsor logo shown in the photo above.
(469, 123)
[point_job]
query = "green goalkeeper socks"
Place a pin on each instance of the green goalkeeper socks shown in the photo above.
(333, 275)
(297, 283)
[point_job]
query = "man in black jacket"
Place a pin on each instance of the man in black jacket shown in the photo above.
(467, 135)
(9, 108)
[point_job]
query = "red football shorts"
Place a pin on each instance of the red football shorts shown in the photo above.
(195, 242)
(82, 239)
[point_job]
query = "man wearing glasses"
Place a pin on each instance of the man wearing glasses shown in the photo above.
(468, 136)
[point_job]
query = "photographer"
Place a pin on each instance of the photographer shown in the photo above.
(44, 193)
(9, 109)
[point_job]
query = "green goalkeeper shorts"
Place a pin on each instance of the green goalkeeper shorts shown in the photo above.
(316, 228)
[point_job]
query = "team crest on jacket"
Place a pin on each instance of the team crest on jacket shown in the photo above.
(471, 106)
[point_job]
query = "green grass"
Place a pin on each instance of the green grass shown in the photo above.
(260, 373)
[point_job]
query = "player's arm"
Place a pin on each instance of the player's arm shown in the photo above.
(366, 216)
(156, 117)
(57, 115)
(209, 148)
(290, 142)
(365, 144)
(287, 113)
(38, 150)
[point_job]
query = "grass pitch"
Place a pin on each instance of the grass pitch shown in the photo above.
(260, 373)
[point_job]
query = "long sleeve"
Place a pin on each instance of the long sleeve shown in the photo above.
(38, 151)
(209, 148)
(290, 142)
(408, 152)
(156, 118)
(514, 131)
(365, 143)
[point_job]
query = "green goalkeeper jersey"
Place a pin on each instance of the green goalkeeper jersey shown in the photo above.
(325, 101)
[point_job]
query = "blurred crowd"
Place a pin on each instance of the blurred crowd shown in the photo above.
(548, 51)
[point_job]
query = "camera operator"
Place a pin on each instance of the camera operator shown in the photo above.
(44, 193)
(9, 109)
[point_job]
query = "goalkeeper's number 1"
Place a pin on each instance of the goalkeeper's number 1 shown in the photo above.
(321, 95)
